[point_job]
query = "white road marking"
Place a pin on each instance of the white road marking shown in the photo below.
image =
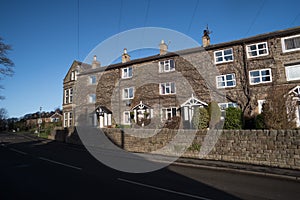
(18, 151)
(163, 189)
(59, 163)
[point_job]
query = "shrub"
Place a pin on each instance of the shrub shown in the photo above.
(260, 122)
(233, 119)
(201, 118)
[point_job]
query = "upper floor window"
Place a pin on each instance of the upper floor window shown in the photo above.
(222, 56)
(291, 43)
(127, 72)
(260, 76)
(166, 66)
(258, 49)
(74, 74)
(292, 72)
(93, 80)
(227, 80)
(128, 93)
(68, 96)
(167, 88)
(92, 98)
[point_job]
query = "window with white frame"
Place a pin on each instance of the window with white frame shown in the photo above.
(167, 66)
(128, 93)
(260, 76)
(227, 80)
(74, 74)
(68, 119)
(92, 80)
(168, 113)
(292, 72)
(126, 117)
(68, 96)
(224, 106)
(291, 43)
(222, 56)
(127, 72)
(258, 49)
(167, 88)
(92, 98)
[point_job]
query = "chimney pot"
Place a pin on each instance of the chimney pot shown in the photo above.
(163, 48)
(125, 56)
(95, 62)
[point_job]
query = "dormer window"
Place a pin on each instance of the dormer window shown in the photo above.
(166, 66)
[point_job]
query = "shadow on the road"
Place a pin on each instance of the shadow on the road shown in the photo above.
(26, 176)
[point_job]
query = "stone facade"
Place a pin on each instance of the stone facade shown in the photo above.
(195, 74)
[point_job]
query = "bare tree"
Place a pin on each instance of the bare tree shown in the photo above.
(6, 65)
(279, 110)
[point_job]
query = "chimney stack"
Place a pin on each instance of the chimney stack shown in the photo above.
(163, 48)
(125, 56)
(95, 62)
(206, 38)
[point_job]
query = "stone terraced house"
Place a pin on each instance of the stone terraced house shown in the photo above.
(170, 84)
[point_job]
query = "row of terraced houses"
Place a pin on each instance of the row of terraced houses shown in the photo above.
(117, 96)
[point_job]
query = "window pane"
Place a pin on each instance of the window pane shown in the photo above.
(297, 42)
(266, 79)
(172, 65)
(221, 84)
(227, 58)
(221, 78)
(262, 46)
(228, 51)
(253, 53)
(265, 72)
(264, 51)
(219, 53)
(173, 112)
(172, 88)
(254, 73)
(229, 77)
(255, 80)
(162, 88)
(289, 44)
(252, 47)
(130, 72)
(130, 92)
(219, 59)
(230, 83)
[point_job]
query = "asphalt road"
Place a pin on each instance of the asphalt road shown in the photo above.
(43, 169)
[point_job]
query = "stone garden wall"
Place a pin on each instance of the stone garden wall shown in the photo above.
(277, 148)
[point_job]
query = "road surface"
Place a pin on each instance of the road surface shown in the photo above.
(42, 169)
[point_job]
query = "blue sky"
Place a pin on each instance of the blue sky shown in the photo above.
(45, 38)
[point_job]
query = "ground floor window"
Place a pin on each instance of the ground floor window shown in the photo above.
(126, 117)
(68, 119)
(168, 113)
